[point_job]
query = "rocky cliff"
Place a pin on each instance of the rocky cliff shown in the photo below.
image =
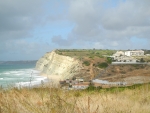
(53, 64)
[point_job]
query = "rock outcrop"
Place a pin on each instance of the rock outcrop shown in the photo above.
(53, 64)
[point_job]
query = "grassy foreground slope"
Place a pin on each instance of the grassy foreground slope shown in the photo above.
(133, 99)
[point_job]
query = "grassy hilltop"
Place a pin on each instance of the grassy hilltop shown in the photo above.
(85, 52)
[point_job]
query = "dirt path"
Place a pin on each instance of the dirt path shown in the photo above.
(91, 71)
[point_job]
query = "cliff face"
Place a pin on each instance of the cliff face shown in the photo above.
(53, 64)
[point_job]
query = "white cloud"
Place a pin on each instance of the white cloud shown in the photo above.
(94, 23)
(18, 17)
(97, 24)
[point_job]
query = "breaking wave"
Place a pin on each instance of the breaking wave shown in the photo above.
(21, 78)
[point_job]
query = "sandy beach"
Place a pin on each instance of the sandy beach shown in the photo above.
(53, 79)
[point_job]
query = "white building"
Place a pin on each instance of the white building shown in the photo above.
(119, 53)
(79, 80)
(80, 86)
(125, 59)
(134, 53)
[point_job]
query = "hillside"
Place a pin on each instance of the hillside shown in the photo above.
(90, 64)
(73, 63)
(126, 73)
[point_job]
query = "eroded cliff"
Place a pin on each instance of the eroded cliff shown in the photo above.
(53, 64)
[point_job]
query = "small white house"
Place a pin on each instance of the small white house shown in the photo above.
(134, 53)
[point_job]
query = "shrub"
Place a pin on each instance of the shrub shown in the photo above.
(109, 60)
(91, 57)
(87, 63)
(103, 65)
(101, 56)
(142, 60)
(91, 88)
(123, 72)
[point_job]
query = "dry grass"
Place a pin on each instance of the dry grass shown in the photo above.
(55, 100)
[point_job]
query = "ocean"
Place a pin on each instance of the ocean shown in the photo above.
(20, 74)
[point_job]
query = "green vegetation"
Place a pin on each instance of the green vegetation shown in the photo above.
(116, 89)
(102, 65)
(88, 56)
(109, 60)
(146, 51)
(142, 60)
(91, 57)
(92, 88)
(87, 63)
(84, 52)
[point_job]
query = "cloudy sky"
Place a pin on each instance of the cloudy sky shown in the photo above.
(30, 28)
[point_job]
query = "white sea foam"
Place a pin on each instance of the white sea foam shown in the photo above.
(18, 74)
(32, 76)
(30, 84)
(6, 73)
(8, 79)
(40, 78)
(22, 77)
(13, 71)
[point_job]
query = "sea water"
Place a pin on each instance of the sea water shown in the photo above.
(20, 75)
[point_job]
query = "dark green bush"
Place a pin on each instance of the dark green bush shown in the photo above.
(87, 63)
(91, 56)
(102, 65)
(142, 60)
(109, 60)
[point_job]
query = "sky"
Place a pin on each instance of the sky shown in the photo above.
(30, 28)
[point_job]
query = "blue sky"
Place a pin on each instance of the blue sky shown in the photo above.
(29, 29)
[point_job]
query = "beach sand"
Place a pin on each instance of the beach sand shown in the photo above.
(53, 79)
